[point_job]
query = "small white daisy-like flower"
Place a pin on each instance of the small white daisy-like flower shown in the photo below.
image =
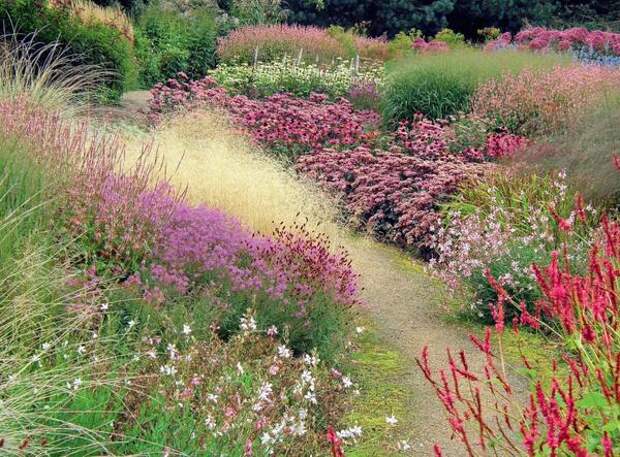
(104, 306)
(359, 330)
(81, 349)
(46, 346)
(187, 330)
(346, 382)
(131, 324)
(391, 420)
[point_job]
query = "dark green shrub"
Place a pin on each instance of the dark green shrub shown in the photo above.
(168, 43)
(93, 44)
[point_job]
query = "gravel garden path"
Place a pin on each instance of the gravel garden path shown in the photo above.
(405, 304)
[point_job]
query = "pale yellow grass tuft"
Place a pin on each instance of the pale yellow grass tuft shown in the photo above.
(89, 13)
(222, 169)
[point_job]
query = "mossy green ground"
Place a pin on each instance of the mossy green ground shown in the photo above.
(378, 371)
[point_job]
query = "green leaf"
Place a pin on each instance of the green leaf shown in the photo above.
(592, 400)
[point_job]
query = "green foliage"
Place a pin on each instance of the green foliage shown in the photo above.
(92, 44)
(257, 12)
(168, 43)
(489, 33)
(379, 369)
(22, 197)
(515, 263)
(402, 43)
(451, 38)
(441, 85)
(324, 329)
(154, 431)
(345, 37)
(467, 16)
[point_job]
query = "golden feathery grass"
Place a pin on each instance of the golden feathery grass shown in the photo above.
(90, 13)
(222, 169)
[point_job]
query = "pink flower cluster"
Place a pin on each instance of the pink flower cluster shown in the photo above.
(504, 145)
(541, 39)
(276, 41)
(284, 120)
(430, 47)
(280, 120)
(394, 194)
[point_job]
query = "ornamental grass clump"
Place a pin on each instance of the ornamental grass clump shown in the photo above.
(532, 103)
(576, 413)
(584, 151)
(442, 84)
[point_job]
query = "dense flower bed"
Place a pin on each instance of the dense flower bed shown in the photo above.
(148, 235)
(503, 225)
(392, 183)
(280, 121)
(296, 78)
(576, 413)
(394, 194)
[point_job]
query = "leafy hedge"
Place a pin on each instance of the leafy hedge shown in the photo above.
(168, 43)
(93, 44)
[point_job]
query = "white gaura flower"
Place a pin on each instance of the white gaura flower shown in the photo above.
(210, 422)
(284, 352)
